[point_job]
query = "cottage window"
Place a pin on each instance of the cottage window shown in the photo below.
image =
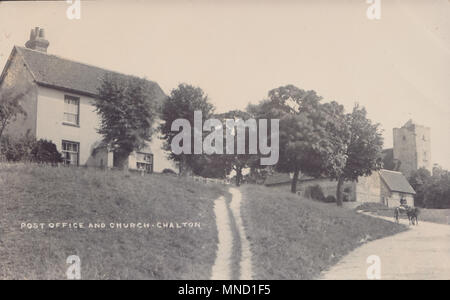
(144, 161)
(71, 153)
(71, 110)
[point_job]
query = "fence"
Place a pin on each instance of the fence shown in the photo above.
(209, 180)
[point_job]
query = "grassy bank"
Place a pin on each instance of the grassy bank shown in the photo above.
(441, 216)
(295, 238)
(73, 195)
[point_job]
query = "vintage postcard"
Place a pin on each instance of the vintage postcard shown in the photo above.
(225, 140)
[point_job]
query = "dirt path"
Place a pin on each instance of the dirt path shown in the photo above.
(222, 266)
(246, 255)
(423, 252)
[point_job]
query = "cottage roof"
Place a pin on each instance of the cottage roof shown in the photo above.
(396, 182)
(64, 74)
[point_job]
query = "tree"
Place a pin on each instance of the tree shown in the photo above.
(437, 192)
(128, 108)
(363, 149)
(432, 191)
(181, 104)
(419, 180)
(305, 144)
(237, 161)
(10, 106)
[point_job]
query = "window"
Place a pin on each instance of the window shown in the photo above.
(144, 161)
(71, 153)
(71, 110)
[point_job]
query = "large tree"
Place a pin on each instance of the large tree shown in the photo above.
(181, 104)
(306, 143)
(128, 109)
(363, 146)
(238, 160)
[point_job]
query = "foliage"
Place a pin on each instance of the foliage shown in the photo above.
(431, 191)
(308, 131)
(315, 192)
(10, 106)
(19, 149)
(237, 162)
(418, 180)
(27, 149)
(128, 109)
(330, 199)
(169, 171)
(363, 143)
(181, 104)
(45, 152)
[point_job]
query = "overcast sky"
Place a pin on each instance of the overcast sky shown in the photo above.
(398, 67)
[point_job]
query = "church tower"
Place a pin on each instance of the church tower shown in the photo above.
(412, 147)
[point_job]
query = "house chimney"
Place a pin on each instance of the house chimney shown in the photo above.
(37, 40)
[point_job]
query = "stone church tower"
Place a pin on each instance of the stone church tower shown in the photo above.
(412, 147)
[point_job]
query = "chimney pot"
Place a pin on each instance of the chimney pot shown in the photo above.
(37, 40)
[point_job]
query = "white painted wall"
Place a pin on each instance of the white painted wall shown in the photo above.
(50, 113)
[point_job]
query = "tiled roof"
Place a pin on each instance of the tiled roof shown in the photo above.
(396, 182)
(54, 71)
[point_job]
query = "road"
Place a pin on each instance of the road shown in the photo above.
(422, 252)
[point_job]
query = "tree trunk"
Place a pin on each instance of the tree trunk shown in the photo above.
(294, 181)
(339, 191)
(121, 160)
(183, 170)
(238, 176)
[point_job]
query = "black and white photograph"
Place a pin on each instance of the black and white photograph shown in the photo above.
(239, 142)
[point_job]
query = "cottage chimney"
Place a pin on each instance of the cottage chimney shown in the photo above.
(37, 40)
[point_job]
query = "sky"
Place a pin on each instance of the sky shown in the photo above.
(398, 67)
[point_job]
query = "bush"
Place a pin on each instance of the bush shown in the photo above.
(16, 150)
(27, 149)
(46, 152)
(315, 192)
(169, 172)
(330, 199)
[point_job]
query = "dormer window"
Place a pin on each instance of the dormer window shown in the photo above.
(71, 110)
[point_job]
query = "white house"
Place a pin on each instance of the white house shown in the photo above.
(59, 105)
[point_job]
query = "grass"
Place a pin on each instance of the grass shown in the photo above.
(30, 193)
(296, 238)
(441, 216)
